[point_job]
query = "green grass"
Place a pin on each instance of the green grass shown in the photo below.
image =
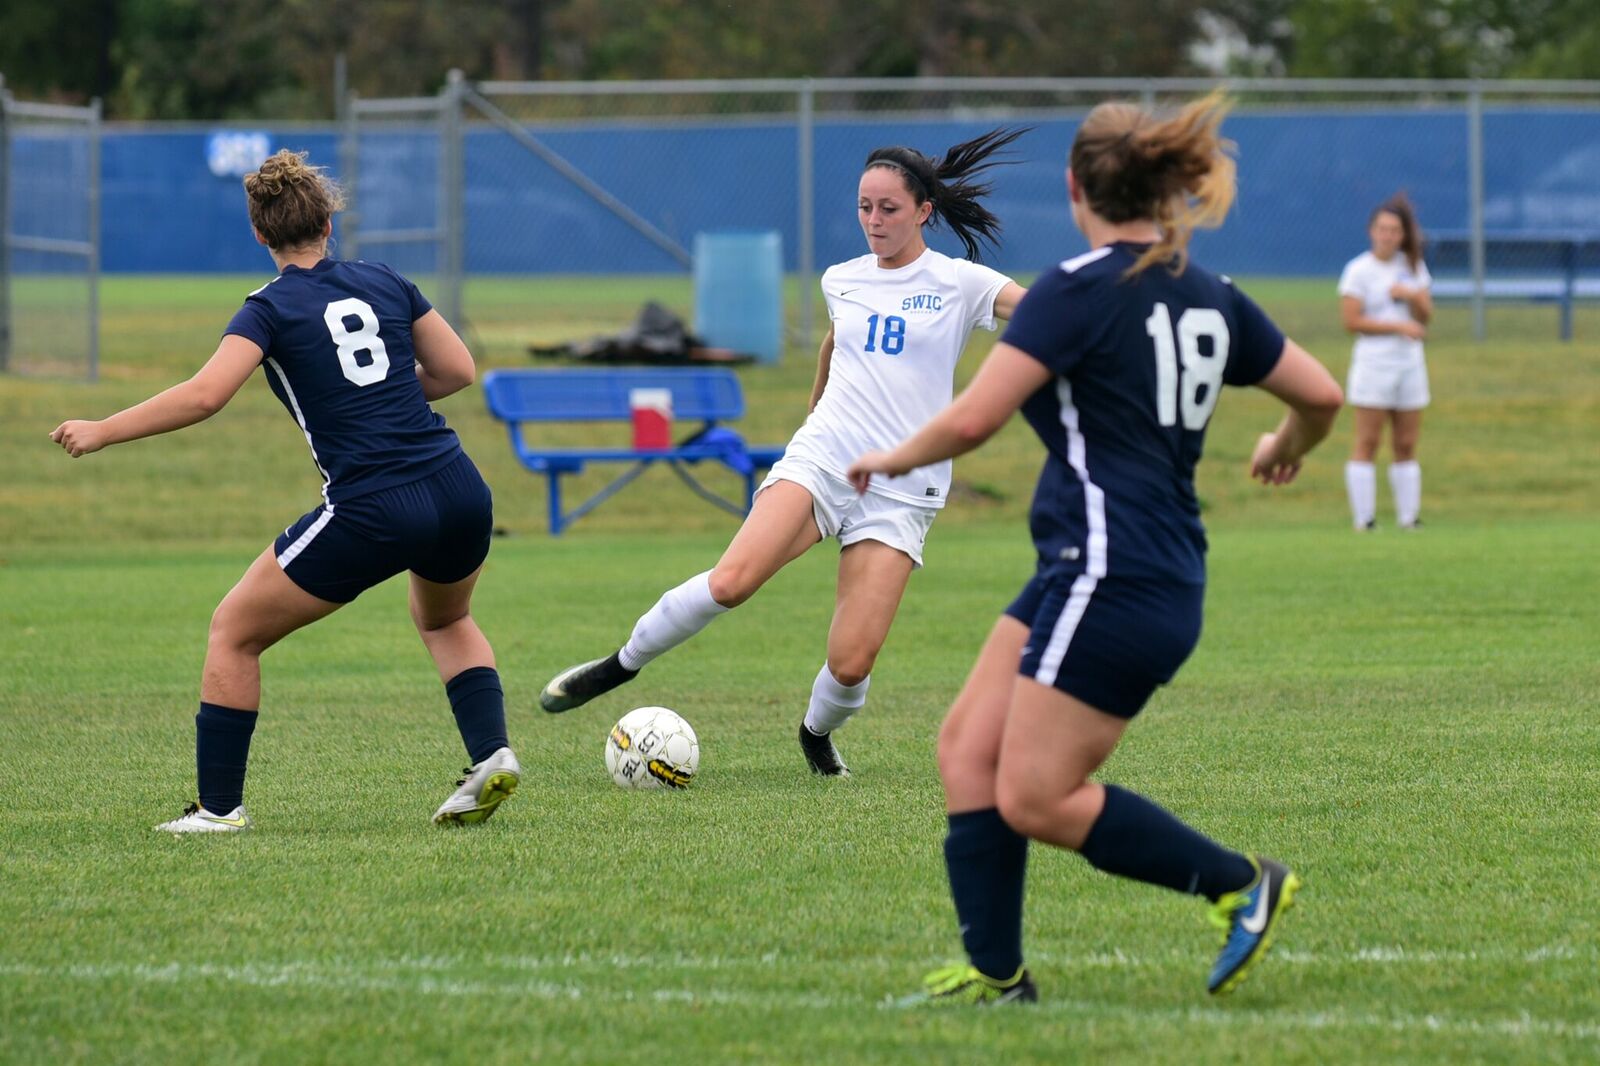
(1411, 720)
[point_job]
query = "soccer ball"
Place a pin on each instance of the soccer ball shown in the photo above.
(652, 747)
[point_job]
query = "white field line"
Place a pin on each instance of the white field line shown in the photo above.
(431, 976)
(1367, 956)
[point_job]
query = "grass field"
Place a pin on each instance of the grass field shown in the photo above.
(1410, 719)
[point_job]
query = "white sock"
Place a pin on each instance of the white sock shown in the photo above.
(1405, 479)
(832, 704)
(679, 614)
(1361, 482)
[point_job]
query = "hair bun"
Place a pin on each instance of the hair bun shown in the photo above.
(277, 172)
(291, 201)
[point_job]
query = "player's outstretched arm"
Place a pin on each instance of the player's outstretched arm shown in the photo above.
(1313, 398)
(186, 403)
(1005, 302)
(444, 365)
(1006, 379)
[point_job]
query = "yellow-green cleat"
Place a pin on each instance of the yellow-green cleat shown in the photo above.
(964, 985)
(486, 786)
(1248, 919)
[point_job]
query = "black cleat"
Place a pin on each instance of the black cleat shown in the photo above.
(577, 685)
(821, 754)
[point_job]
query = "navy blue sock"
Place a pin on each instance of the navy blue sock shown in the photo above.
(987, 861)
(221, 750)
(1135, 838)
(480, 709)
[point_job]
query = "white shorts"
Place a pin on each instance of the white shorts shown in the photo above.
(1388, 388)
(851, 517)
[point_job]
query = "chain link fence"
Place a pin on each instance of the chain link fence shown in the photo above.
(49, 238)
(561, 182)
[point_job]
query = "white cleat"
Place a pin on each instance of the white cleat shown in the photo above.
(486, 786)
(196, 819)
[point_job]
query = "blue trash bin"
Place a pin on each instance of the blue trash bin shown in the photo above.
(738, 292)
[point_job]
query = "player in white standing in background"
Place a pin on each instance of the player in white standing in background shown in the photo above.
(901, 317)
(1385, 302)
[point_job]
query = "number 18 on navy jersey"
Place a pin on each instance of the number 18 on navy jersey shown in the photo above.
(1140, 363)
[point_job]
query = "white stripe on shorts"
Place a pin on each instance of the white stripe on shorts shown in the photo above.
(305, 538)
(1066, 625)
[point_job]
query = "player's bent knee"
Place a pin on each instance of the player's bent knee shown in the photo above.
(1044, 815)
(434, 622)
(1076, 815)
(230, 633)
(1024, 810)
(954, 757)
(963, 766)
(852, 671)
(731, 585)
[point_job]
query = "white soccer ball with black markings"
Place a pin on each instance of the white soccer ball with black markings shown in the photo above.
(652, 747)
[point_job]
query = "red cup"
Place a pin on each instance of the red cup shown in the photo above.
(652, 418)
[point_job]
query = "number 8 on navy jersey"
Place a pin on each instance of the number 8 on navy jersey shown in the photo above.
(344, 367)
(365, 339)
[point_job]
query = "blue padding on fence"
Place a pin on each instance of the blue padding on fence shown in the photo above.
(1308, 179)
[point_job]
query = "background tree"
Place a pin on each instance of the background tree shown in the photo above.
(208, 59)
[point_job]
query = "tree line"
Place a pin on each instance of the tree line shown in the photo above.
(226, 59)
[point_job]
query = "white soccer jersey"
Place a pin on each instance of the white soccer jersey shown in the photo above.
(897, 335)
(1368, 279)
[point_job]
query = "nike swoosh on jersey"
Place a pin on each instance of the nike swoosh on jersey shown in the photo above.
(1253, 924)
(847, 292)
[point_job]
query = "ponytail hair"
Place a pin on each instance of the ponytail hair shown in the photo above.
(291, 201)
(948, 184)
(1411, 241)
(1177, 172)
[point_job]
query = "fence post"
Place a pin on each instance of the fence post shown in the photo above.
(1475, 204)
(806, 260)
(452, 179)
(95, 114)
(5, 227)
(349, 177)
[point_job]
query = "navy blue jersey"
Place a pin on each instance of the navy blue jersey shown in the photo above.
(1139, 365)
(338, 355)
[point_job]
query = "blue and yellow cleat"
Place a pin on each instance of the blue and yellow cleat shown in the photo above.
(964, 985)
(1248, 919)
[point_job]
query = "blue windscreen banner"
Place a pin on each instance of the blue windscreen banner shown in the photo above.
(1308, 180)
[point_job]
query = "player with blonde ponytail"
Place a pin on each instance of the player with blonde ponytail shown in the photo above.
(1116, 358)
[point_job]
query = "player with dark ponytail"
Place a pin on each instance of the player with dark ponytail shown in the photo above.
(947, 183)
(1116, 358)
(901, 317)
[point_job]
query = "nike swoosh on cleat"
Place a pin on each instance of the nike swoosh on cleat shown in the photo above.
(1253, 924)
(237, 823)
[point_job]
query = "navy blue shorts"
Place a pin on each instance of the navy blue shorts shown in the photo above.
(1110, 641)
(438, 528)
